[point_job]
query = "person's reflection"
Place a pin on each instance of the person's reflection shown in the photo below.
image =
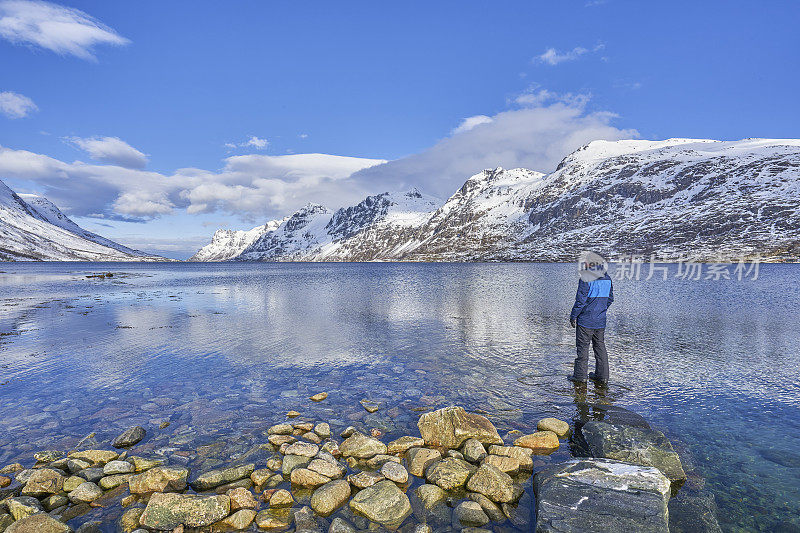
(591, 403)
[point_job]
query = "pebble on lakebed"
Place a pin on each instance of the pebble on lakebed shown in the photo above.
(470, 479)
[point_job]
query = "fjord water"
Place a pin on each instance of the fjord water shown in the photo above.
(222, 351)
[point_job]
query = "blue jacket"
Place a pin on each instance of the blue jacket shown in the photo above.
(592, 301)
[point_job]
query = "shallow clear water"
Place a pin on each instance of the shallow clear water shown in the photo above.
(223, 351)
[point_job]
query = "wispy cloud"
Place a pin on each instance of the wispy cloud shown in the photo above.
(253, 142)
(110, 150)
(553, 57)
(63, 30)
(541, 128)
(14, 105)
(537, 96)
(470, 122)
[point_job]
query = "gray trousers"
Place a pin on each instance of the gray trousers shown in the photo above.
(583, 338)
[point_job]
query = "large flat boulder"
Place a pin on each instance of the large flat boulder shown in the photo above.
(452, 426)
(383, 503)
(601, 495)
(641, 446)
(170, 510)
(159, 479)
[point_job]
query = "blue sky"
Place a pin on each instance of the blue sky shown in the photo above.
(155, 123)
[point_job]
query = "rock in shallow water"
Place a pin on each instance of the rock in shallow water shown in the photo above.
(383, 503)
(452, 426)
(129, 437)
(492, 483)
(473, 451)
(238, 520)
(394, 472)
(86, 492)
(215, 478)
(38, 523)
(419, 459)
(559, 427)
(170, 510)
(43, 482)
(360, 446)
(329, 497)
(540, 442)
(159, 479)
(599, 495)
(469, 514)
(449, 473)
(642, 446)
(403, 444)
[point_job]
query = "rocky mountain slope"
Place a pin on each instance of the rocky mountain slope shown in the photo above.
(708, 200)
(33, 229)
(226, 244)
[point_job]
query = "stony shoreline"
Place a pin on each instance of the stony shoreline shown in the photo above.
(458, 474)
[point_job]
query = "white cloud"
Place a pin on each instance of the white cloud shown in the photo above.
(256, 142)
(111, 150)
(248, 185)
(14, 105)
(63, 30)
(538, 135)
(551, 56)
(252, 142)
(537, 96)
(470, 122)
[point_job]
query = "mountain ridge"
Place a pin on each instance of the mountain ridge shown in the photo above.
(32, 228)
(676, 198)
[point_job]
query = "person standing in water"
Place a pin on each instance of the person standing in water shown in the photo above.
(588, 317)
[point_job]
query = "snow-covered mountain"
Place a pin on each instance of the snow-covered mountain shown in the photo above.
(33, 229)
(227, 244)
(709, 200)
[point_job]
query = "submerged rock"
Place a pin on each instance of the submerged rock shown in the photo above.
(170, 510)
(278, 518)
(452, 426)
(129, 437)
(429, 503)
(319, 397)
(383, 503)
(641, 446)
(237, 521)
(469, 514)
(290, 462)
(598, 495)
